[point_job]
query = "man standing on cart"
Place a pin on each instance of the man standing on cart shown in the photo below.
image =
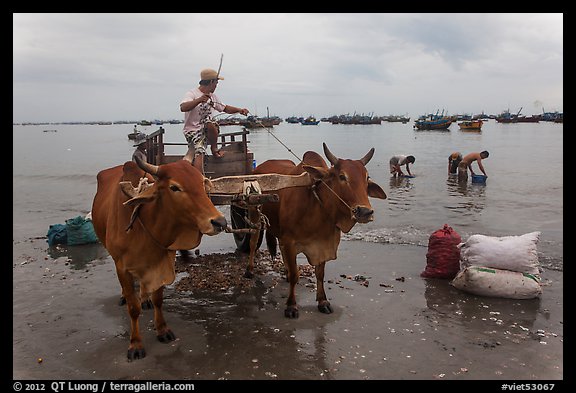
(200, 129)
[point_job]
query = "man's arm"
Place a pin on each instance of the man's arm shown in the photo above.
(408, 169)
(232, 109)
(481, 167)
(189, 105)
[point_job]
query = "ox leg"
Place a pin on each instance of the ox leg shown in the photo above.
(136, 348)
(146, 303)
(254, 216)
(289, 257)
(323, 303)
(272, 244)
(163, 333)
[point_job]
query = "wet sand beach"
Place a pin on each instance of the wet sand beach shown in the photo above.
(388, 322)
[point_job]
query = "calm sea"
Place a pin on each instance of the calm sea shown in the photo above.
(54, 176)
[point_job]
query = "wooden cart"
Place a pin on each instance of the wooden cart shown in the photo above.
(233, 181)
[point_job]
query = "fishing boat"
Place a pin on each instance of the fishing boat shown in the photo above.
(471, 125)
(507, 117)
(310, 121)
(396, 119)
(258, 122)
(556, 117)
(433, 122)
(294, 120)
(136, 135)
(529, 119)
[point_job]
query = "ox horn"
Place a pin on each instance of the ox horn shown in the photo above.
(331, 157)
(145, 166)
(366, 159)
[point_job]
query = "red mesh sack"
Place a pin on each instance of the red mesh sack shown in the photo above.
(443, 257)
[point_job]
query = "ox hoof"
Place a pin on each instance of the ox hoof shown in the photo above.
(136, 353)
(166, 337)
(122, 301)
(147, 305)
(248, 274)
(291, 312)
(325, 308)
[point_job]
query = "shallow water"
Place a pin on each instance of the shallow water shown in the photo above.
(54, 176)
(65, 299)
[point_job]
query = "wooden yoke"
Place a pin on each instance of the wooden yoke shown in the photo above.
(226, 190)
(266, 182)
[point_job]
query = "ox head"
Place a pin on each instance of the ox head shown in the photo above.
(349, 180)
(179, 203)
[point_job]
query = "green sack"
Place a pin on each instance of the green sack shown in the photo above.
(57, 234)
(80, 231)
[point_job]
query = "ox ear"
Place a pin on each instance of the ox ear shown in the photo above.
(208, 186)
(147, 195)
(375, 191)
(128, 189)
(316, 172)
(131, 191)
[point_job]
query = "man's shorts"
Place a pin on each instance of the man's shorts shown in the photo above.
(454, 165)
(198, 141)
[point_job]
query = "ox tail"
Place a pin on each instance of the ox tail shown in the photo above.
(272, 244)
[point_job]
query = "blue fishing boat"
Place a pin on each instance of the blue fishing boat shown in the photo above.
(433, 122)
(310, 121)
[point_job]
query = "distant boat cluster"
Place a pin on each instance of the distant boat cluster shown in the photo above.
(251, 121)
(365, 119)
(425, 122)
(107, 123)
(507, 117)
(257, 122)
(440, 121)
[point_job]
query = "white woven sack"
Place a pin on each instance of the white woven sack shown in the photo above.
(516, 253)
(485, 281)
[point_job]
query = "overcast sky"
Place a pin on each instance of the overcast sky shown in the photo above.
(92, 67)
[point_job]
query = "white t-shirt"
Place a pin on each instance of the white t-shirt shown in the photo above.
(398, 160)
(194, 120)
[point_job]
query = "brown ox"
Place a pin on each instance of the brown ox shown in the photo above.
(170, 215)
(311, 219)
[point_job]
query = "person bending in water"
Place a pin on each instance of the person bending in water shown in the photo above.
(453, 161)
(466, 164)
(397, 161)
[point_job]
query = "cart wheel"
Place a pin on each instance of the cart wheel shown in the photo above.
(237, 215)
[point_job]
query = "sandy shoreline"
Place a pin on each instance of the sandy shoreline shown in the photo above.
(397, 327)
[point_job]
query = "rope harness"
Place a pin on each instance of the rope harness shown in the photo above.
(156, 242)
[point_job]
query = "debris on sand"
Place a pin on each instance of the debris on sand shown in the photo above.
(222, 272)
(219, 272)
